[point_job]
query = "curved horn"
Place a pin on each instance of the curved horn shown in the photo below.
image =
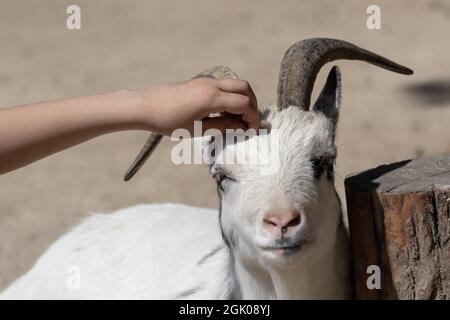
(303, 60)
(218, 72)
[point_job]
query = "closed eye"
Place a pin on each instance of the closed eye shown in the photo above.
(222, 176)
(319, 164)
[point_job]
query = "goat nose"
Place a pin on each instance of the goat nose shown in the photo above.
(281, 224)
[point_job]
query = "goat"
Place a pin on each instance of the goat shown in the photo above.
(279, 236)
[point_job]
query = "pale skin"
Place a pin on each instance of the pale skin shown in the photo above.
(31, 132)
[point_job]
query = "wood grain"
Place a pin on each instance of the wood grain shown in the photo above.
(399, 220)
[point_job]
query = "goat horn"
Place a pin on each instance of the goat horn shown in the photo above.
(218, 72)
(303, 60)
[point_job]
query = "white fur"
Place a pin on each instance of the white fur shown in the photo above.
(142, 252)
(171, 251)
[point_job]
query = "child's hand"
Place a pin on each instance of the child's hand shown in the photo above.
(166, 108)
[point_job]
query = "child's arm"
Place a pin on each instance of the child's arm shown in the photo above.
(31, 132)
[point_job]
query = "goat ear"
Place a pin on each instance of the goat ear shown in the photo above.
(329, 101)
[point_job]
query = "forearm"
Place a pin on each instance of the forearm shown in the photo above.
(31, 132)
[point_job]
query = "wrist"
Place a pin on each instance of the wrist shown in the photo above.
(129, 107)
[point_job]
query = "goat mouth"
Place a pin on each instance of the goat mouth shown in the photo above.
(285, 248)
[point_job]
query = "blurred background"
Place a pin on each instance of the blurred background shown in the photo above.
(385, 117)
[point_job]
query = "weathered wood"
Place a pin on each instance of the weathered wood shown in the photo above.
(399, 219)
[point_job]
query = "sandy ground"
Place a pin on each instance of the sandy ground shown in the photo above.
(135, 44)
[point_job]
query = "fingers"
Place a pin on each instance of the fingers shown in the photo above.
(222, 123)
(238, 86)
(238, 104)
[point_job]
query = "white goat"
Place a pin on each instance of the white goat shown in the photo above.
(282, 233)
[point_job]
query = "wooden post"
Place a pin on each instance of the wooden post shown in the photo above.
(399, 220)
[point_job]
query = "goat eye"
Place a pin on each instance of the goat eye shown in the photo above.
(221, 178)
(318, 166)
(221, 181)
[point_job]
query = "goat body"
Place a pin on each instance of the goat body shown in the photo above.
(131, 254)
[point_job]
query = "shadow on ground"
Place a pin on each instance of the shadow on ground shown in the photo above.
(430, 93)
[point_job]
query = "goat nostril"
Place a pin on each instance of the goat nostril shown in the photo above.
(294, 222)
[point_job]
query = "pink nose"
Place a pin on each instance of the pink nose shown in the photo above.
(279, 224)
